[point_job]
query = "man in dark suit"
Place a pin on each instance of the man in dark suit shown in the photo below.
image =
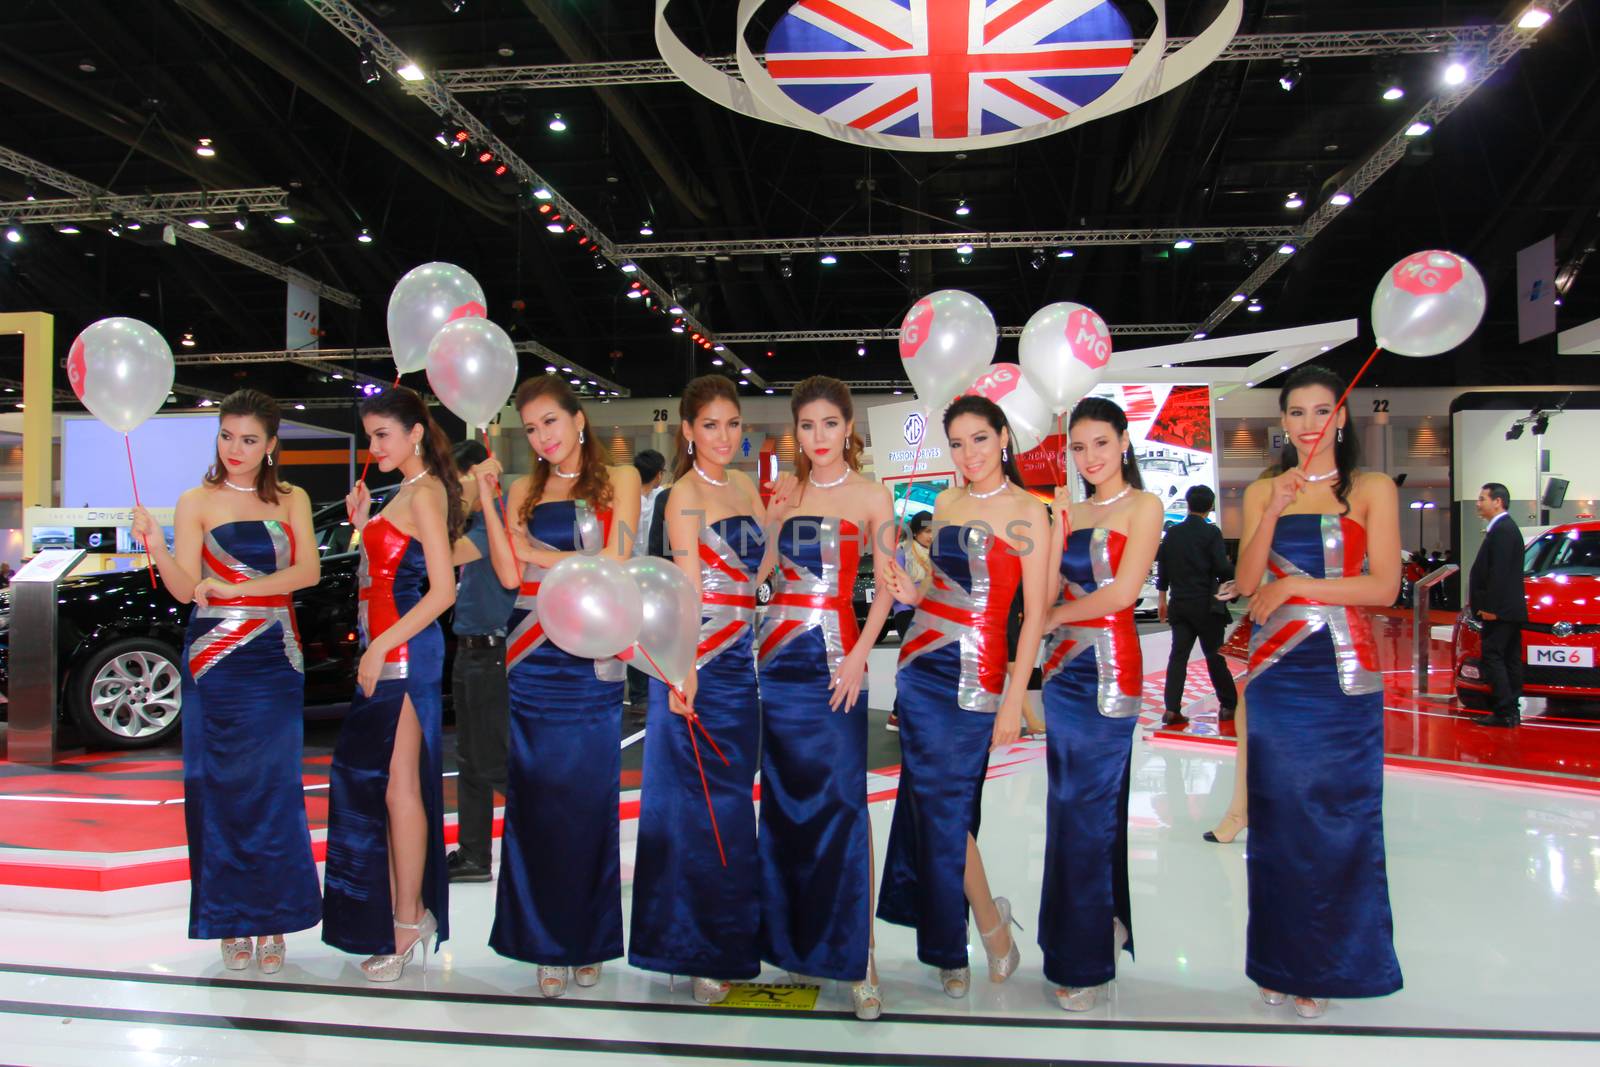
(1190, 566)
(1496, 598)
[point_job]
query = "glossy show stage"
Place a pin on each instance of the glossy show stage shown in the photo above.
(1494, 863)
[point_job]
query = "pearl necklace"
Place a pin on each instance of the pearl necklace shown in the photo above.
(710, 480)
(829, 485)
(1107, 503)
(997, 490)
(240, 488)
(1323, 477)
(563, 474)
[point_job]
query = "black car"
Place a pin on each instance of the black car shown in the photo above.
(118, 644)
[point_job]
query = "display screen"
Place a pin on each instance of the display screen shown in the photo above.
(95, 538)
(126, 542)
(52, 537)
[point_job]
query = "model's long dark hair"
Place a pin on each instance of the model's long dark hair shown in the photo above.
(696, 395)
(265, 410)
(594, 478)
(1099, 409)
(1346, 449)
(835, 392)
(989, 412)
(406, 407)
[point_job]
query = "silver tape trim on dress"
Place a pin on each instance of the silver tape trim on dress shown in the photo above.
(970, 693)
(717, 617)
(234, 617)
(1107, 642)
(830, 584)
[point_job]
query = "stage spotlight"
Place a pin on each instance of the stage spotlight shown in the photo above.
(1419, 128)
(904, 262)
(1533, 18)
(861, 348)
(557, 123)
(1294, 201)
(786, 266)
(283, 218)
(371, 74)
(964, 249)
(1289, 77)
(411, 72)
(1393, 90)
(1340, 199)
(962, 208)
(828, 259)
(1540, 425)
(1037, 261)
(205, 148)
(1183, 244)
(14, 234)
(1065, 253)
(241, 220)
(1515, 431)
(364, 236)
(453, 6)
(646, 230)
(1455, 73)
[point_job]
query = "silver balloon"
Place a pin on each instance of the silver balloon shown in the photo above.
(669, 633)
(589, 606)
(946, 340)
(1065, 350)
(122, 371)
(472, 367)
(1428, 303)
(422, 302)
(1026, 411)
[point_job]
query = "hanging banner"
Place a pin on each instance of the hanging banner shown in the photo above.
(302, 323)
(1536, 290)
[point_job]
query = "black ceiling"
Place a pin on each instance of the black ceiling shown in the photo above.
(278, 89)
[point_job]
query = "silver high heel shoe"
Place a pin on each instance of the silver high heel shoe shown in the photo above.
(956, 981)
(1002, 967)
(236, 953)
(1079, 999)
(710, 990)
(864, 995)
(553, 981)
(1271, 998)
(389, 967)
(270, 954)
(587, 975)
(1310, 1007)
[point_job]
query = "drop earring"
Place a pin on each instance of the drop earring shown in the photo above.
(1338, 436)
(580, 438)
(417, 448)
(269, 459)
(691, 448)
(1005, 454)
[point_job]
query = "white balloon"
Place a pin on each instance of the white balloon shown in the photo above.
(669, 633)
(121, 369)
(472, 367)
(946, 340)
(589, 606)
(422, 302)
(1428, 303)
(1064, 351)
(1026, 411)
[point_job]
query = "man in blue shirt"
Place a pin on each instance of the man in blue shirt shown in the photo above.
(649, 463)
(478, 685)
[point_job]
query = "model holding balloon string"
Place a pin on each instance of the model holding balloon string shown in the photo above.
(386, 889)
(559, 900)
(696, 902)
(1321, 540)
(815, 841)
(956, 700)
(1102, 550)
(243, 545)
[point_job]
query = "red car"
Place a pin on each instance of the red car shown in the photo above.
(1561, 639)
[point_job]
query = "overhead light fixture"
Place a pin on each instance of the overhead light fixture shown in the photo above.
(241, 220)
(1294, 201)
(557, 123)
(364, 236)
(542, 193)
(187, 340)
(205, 402)
(628, 266)
(115, 229)
(501, 170)
(30, 192)
(786, 266)
(897, 392)
(299, 407)
(744, 370)
(198, 223)
(716, 363)
(1455, 73)
(411, 72)
(283, 218)
(675, 309)
(486, 156)
(963, 249)
(205, 148)
(646, 230)
(443, 138)
(13, 234)
(769, 391)
(1393, 90)
(828, 259)
(1515, 431)
(962, 208)
(1037, 261)
(1541, 425)
(555, 227)
(903, 261)
(677, 327)
(634, 294)
(1199, 335)
(719, 347)
(1183, 244)
(1290, 75)
(1534, 18)
(1287, 249)
(1253, 307)
(1418, 128)
(68, 228)
(1340, 199)
(454, 6)
(1065, 253)
(1237, 298)
(861, 348)
(371, 73)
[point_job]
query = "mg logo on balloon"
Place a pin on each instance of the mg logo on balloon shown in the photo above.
(916, 327)
(1089, 339)
(1426, 273)
(75, 369)
(1000, 382)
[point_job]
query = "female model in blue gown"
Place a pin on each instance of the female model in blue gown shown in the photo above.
(1093, 693)
(559, 900)
(691, 914)
(1320, 540)
(386, 889)
(244, 544)
(955, 698)
(815, 839)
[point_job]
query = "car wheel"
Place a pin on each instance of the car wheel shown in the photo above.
(127, 694)
(764, 593)
(1472, 699)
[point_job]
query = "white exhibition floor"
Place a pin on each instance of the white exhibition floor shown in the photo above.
(1496, 896)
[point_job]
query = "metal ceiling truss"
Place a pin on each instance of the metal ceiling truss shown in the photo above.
(226, 202)
(1482, 64)
(1038, 240)
(360, 31)
(1245, 46)
(779, 337)
(182, 231)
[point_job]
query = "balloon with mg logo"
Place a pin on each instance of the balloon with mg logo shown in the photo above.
(1064, 351)
(1026, 411)
(946, 339)
(1428, 303)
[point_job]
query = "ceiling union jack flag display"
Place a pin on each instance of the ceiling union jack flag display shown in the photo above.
(944, 69)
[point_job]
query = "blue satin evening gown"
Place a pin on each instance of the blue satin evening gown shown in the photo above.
(814, 844)
(1319, 924)
(250, 866)
(1093, 692)
(357, 914)
(949, 685)
(559, 899)
(691, 915)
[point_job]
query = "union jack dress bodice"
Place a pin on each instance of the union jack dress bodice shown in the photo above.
(730, 557)
(389, 582)
(813, 588)
(1318, 546)
(237, 552)
(557, 526)
(1089, 560)
(959, 630)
